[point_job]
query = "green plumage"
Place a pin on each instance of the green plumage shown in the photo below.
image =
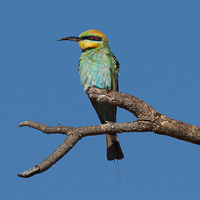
(98, 67)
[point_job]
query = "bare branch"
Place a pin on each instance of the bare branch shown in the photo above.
(46, 129)
(148, 120)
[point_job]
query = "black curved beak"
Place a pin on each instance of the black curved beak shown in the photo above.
(77, 39)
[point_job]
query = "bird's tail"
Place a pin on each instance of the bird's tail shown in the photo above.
(114, 150)
(107, 113)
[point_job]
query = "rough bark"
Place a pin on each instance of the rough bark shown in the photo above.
(148, 120)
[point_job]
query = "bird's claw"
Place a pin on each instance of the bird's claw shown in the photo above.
(108, 90)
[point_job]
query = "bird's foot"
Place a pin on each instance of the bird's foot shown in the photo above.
(87, 90)
(108, 90)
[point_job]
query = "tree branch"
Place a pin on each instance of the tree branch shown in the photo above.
(148, 120)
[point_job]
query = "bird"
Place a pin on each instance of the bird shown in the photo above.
(98, 67)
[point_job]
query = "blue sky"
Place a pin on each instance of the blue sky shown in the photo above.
(158, 46)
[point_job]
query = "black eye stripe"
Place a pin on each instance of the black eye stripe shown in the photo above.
(92, 37)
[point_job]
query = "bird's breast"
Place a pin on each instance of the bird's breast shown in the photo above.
(94, 70)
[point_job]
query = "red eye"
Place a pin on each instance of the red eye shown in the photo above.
(91, 37)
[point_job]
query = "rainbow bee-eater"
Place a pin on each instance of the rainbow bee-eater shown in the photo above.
(98, 67)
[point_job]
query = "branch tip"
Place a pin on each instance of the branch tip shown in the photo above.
(60, 125)
(30, 172)
(23, 123)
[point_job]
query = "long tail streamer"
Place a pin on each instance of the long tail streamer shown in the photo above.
(117, 172)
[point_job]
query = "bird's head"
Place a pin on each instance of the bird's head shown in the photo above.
(90, 39)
